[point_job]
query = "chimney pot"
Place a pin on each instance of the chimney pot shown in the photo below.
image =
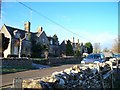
(40, 29)
(27, 26)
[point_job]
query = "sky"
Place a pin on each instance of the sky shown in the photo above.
(95, 22)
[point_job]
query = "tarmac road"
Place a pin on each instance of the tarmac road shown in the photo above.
(7, 79)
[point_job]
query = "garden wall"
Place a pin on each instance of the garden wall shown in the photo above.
(59, 60)
(20, 63)
(23, 63)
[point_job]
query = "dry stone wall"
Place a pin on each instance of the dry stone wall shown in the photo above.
(76, 77)
(20, 63)
(59, 60)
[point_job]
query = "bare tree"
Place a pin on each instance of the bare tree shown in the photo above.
(46, 54)
(21, 39)
(96, 47)
(116, 45)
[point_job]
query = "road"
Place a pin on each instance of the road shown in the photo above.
(7, 79)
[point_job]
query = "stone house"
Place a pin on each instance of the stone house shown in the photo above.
(75, 45)
(29, 39)
(40, 38)
(54, 49)
(83, 49)
(14, 34)
(63, 48)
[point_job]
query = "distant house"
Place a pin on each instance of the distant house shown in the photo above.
(83, 49)
(75, 45)
(78, 46)
(63, 48)
(54, 49)
(14, 34)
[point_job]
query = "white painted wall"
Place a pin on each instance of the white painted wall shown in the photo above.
(7, 34)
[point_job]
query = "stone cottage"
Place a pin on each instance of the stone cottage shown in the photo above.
(15, 34)
(25, 40)
(63, 48)
(40, 38)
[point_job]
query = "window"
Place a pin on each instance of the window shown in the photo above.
(27, 37)
(51, 42)
(43, 40)
(16, 34)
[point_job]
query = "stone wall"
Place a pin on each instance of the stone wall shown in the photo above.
(67, 60)
(59, 61)
(20, 63)
(80, 78)
(28, 62)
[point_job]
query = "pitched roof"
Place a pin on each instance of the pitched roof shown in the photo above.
(12, 29)
(50, 38)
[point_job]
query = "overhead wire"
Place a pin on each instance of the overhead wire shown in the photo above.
(50, 19)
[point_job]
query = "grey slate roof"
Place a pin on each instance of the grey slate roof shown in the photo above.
(12, 29)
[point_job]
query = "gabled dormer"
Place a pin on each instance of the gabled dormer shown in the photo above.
(16, 34)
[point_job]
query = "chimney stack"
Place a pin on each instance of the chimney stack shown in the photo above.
(40, 29)
(78, 41)
(27, 26)
(73, 40)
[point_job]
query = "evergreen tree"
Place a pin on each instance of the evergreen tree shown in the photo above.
(37, 49)
(89, 47)
(55, 37)
(69, 49)
(77, 53)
